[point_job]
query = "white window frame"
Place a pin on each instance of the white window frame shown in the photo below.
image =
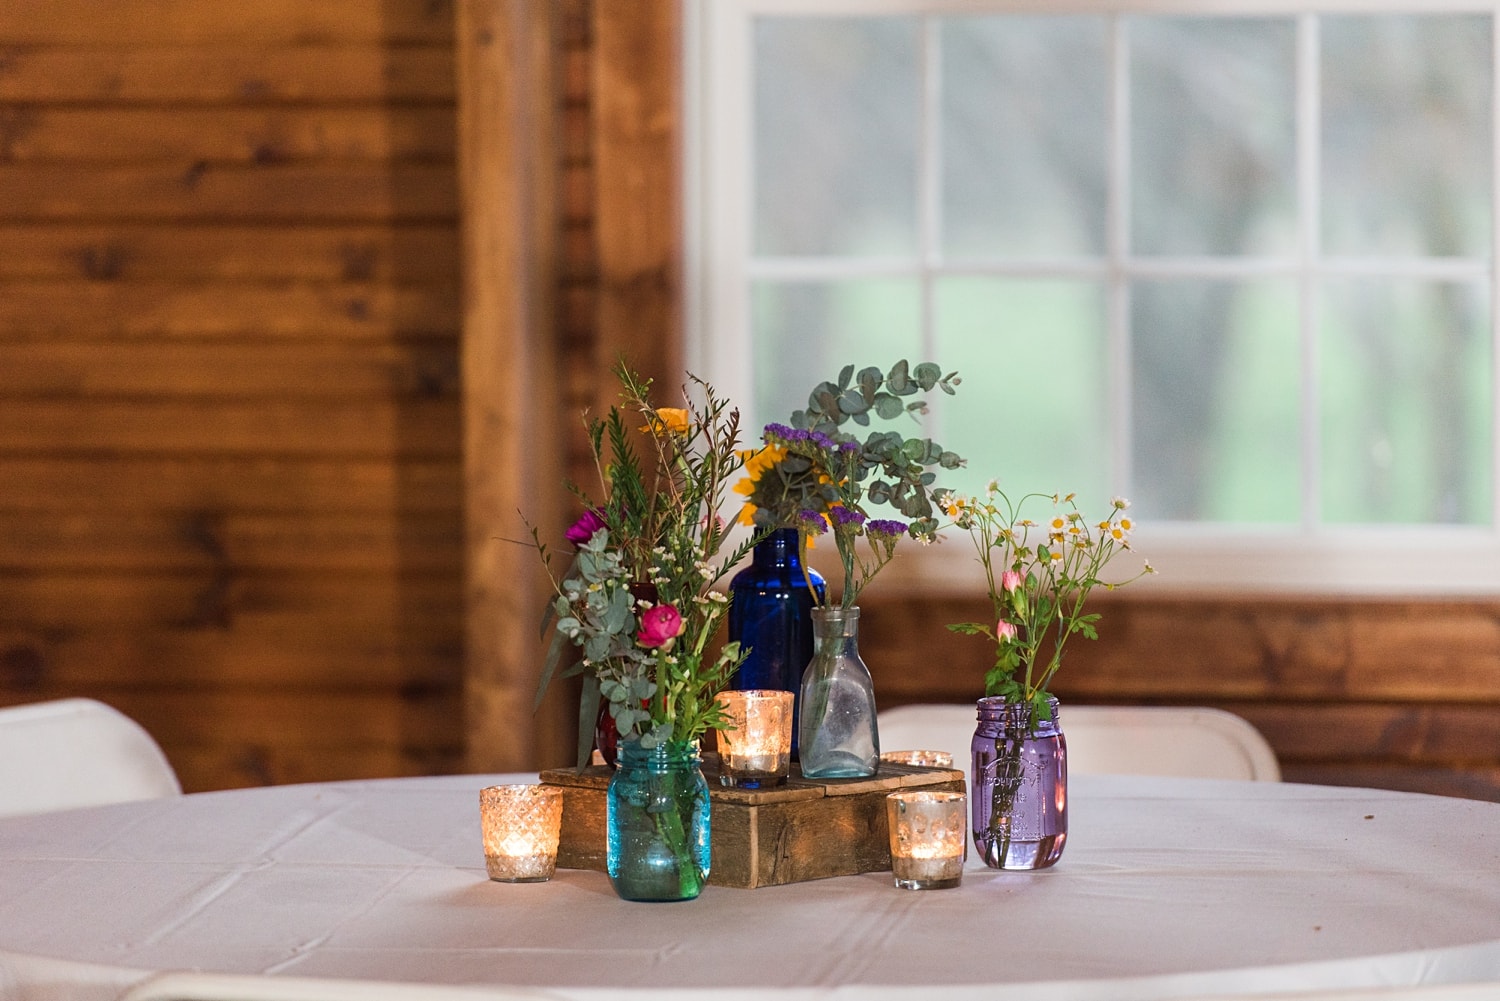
(1396, 560)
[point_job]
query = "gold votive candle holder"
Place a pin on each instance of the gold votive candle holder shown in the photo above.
(929, 834)
(755, 750)
(521, 824)
(922, 759)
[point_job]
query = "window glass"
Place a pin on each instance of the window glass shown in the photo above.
(1406, 402)
(836, 136)
(1213, 161)
(805, 332)
(1024, 136)
(1215, 401)
(1406, 135)
(1033, 411)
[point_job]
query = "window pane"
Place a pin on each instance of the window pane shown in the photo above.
(1406, 402)
(1406, 148)
(1215, 398)
(1033, 410)
(1212, 135)
(836, 132)
(805, 332)
(1024, 132)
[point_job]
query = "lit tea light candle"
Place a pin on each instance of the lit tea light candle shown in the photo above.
(520, 824)
(928, 834)
(922, 759)
(755, 750)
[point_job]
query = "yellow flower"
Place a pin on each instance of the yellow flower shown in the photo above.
(747, 512)
(669, 420)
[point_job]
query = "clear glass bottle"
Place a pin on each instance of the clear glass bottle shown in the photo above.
(770, 611)
(657, 815)
(838, 738)
(1019, 785)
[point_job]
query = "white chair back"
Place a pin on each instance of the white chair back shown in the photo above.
(77, 752)
(182, 986)
(1187, 742)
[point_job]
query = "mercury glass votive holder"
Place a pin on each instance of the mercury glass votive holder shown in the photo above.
(928, 832)
(922, 759)
(521, 824)
(755, 750)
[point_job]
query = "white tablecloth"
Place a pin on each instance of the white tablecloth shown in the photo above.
(1167, 888)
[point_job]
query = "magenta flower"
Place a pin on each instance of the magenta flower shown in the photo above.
(1006, 631)
(584, 528)
(1010, 580)
(660, 625)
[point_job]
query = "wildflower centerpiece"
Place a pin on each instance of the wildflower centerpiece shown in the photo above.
(816, 477)
(1039, 575)
(638, 611)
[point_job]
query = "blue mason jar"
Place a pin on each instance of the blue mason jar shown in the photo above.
(770, 611)
(657, 817)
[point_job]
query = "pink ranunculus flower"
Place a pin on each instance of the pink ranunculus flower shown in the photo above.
(660, 625)
(584, 528)
(1010, 580)
(1006, 631)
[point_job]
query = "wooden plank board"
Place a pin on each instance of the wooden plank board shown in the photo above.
(806, 829)
(236, 134)
(93, 310)
(1365, 732)
(339, 72)
(68, 603)
(205, 768)
(60, 541)
(355, 191)
(227, 254)
(190, 22)
(329, 428)
(236, 370)
(266, 484)
(315, 648)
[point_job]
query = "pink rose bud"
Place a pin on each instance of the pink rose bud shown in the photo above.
(660, 625)
(1010, 580)
(1007, 631)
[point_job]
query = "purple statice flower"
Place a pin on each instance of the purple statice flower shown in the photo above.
(850, 446)
(821, 440)
(847, 516)
(885, 526)
(813, 523)
(777, 431)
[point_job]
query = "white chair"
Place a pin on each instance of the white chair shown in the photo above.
(1189, 742)
(77, 752)
(183, 986)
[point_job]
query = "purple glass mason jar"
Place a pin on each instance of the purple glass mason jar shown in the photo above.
(1019, 789)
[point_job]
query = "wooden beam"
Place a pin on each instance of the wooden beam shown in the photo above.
(506, 121)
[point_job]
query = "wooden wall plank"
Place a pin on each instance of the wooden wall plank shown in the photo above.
(289, 651)
(354, 191)
(339, 72)
(507, 107)
(236, 370)
(189, 22)
(375, 428)
(407, 255)
(114, 135)
(32, 309)
(65, 603)
(637, 189)
(248, 542)
(266, 484)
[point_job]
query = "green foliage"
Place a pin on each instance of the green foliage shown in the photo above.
(1037, 590)
(654, 541)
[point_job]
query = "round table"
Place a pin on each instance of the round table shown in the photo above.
(1168, 888)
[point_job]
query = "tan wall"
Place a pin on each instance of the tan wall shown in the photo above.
(232, 480)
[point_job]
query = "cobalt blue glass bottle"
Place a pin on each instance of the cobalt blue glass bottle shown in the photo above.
(770, 611)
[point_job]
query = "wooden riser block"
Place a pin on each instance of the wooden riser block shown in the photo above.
(806, 829)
